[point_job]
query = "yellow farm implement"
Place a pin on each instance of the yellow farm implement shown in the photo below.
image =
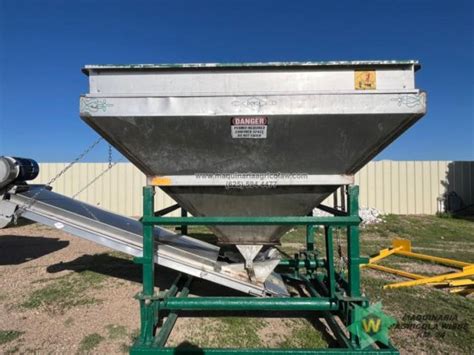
(459, 282)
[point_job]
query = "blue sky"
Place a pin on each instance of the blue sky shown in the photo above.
(44, 44)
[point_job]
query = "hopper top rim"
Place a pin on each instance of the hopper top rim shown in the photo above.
(229, 66)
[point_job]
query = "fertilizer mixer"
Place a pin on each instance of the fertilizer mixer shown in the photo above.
(249, 150)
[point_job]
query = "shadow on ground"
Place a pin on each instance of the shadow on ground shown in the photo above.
(16, 249)
(21, 222)
(123, 268)
(126, 269)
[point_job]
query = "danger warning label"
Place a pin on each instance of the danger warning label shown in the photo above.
(249, 127)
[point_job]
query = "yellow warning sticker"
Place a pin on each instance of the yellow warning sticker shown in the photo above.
(160, 181)
(365, 80)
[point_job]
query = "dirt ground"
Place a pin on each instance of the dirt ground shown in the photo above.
(32, 256)
(62, 294)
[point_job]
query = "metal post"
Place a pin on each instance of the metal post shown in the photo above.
(353, 255)
(165, 331)
(343, 198)
(296, 270)
(353, 249)
(184, 228)
(310, 238)
(330, 261)
(147, 311)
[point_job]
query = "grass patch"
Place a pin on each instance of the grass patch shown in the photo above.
(65, 292)
(3, 297)
(240, 332)
(232, 332)
(13, 350)
(244, 332)
(302, 335)
(116, 331)
(135, 334)
(90, 342)
(120, 255)
(403, 303)
(125, 347)
(444, 237)
(432, 235)
(7, 336)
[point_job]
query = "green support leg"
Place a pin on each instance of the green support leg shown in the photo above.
(353, 252)
(165, 331)
(337, 299)
(184, 228)
(310, 238)
(146, 303)
(330, 261)
(353, 249)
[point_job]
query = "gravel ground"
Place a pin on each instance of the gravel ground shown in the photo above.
(61, 294)
(31, 255)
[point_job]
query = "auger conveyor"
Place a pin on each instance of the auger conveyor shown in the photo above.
(177, 252)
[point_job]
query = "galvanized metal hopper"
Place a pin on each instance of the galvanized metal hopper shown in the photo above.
(262, 139)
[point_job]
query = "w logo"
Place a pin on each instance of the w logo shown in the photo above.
(371, 324)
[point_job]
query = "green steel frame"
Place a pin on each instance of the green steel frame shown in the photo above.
(332, 295)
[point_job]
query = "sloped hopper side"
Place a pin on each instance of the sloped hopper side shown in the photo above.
(319, 144)
(280, 201)
(177, 121)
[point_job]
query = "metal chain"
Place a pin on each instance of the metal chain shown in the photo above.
(70, 165)
(111, 165)
(110, 156)
(84, 205)
(33, 200)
